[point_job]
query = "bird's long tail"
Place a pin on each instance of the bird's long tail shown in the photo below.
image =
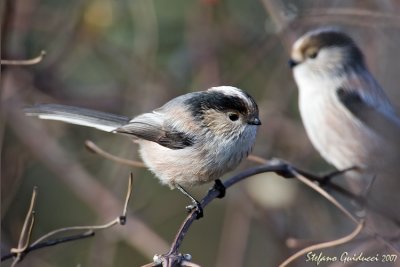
(80, 116)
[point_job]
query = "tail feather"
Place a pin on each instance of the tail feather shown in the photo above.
(79, 116)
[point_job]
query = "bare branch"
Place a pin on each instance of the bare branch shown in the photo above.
(333, 243)
(324, 180)
(257, 159)
(325, 194)
(328, 244)
(97, 150)
(127, 198)
(173, 258)
(26, 231)
(52, 242)
(343, 240)
(45, 241)
(26, 62)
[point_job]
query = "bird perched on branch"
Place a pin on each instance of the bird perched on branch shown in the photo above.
(191, 140)
(347, 116)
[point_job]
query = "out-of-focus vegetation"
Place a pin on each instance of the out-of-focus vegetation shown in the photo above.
(129, 57)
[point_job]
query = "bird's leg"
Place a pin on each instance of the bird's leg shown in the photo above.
(219, 186)
(195, 204)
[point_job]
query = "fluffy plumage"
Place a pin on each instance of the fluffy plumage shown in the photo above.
(350, 121)
(347, 115)
(192, 139)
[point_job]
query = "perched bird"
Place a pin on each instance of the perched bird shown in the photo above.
(346, 114)
(191, 140)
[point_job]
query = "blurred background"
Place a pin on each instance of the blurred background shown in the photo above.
(129, 57)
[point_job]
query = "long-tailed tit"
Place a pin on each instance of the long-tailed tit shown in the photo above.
(191, 140)
(350, 121)
(346, 114)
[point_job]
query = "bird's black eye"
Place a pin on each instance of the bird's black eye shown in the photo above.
(233, 116)
(313, 54)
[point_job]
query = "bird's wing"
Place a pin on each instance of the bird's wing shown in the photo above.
(151, 127)
(373, 110)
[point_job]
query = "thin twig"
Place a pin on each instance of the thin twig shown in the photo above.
(52, 242)
(173, 257)
(324, 181)
(25, 62)
(257, 159)
(26, 231)
(360, 224)
(43, 241)
(328, 244)
(97, 150)
(325, 194)
(117, 220)
(76, 228)
(272, 166)
(122, 218)
(331, 199)
(279, 167)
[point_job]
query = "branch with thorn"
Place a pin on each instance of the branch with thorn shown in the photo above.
(24, 246)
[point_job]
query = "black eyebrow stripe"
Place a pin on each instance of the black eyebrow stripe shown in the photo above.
(332, 38)
(217, 101)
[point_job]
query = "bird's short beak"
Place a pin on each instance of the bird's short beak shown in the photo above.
(292, 63)
(254, 121)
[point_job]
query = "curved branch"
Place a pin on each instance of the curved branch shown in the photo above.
(173, 258)
(26, 231)
(271, 166)
(92, 147)
(24, 247)
(286, 170)
(25, 62)
(327, 244)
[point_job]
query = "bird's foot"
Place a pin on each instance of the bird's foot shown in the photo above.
(220, 187)
(198, 209)
(195, 204)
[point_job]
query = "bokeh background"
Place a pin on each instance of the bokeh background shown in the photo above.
(129, 57)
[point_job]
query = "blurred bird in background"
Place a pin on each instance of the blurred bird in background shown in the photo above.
(349, 119)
